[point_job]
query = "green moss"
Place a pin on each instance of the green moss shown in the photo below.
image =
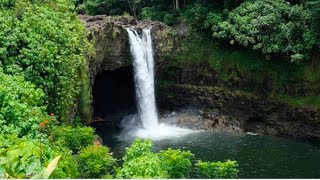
(239, 64)
(272, 76)
(310, 101)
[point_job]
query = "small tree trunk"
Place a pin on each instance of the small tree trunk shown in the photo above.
(132, 8)
(177, 5)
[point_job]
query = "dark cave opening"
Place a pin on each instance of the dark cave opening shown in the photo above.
(113, 95)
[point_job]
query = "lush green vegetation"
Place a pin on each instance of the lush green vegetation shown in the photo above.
(265, 46)
(45, 95)
(45, 43)
(140, 162)
(273, 27)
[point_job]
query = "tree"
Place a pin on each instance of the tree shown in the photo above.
(314, 8)
(133, 4)
(271, 26)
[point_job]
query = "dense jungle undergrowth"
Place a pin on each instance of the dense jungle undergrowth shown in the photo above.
(270, 47)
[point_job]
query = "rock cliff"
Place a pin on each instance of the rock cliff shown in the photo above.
(110, 39)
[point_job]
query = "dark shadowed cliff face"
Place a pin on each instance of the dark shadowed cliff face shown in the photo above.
(222, 109)
(109, 36)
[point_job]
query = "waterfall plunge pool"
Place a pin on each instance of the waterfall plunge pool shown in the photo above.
(258, 156)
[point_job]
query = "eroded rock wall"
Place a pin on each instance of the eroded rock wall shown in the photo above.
(241, 112)
(110, 39)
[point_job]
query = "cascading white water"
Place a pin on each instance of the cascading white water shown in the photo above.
(143, 62)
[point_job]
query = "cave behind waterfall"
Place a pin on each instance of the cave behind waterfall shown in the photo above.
(114, 94)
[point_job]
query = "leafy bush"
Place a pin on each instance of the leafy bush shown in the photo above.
(271, 26)
(195, 15)
(138, 148)
(152, 13)
(218, 169)
(176, 162)
(73, 138)
(21, 106)
(7, 3)
(156, 14)
(46, 43)
(23, 158)
(95, 162)
(169, 19)
(146, 166)
(141, 162)
(109, 7)
(68, 166)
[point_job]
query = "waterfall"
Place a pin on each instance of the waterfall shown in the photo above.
(143, 63)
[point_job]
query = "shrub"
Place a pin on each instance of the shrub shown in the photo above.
(141, 162)
(46, 43)
(23, 158)
(169, 19)
(270, 26)
(138, 148)
(145, 166)
(195, 15)
(176, 162)
(68, 167)
(228, 169)
(152, 13)
(73, 138)
(95, 162)
(21, 106)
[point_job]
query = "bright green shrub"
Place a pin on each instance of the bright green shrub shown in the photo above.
(67, 167)
(95, 162)
(21, 106)
(138, 148)
(228, 169)
(141, 162)
(46, 43)
(176, 162)
(146, 166)
(73, 138)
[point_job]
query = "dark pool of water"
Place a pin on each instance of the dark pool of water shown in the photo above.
(258, 156)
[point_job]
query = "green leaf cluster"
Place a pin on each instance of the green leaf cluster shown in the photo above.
(95, 162)
(270, 26)
(176, 162)
(46, 43)
(21, 106)
(22, 158)
(141, 162)
(228, 169)
(157, 14)
(73, 138)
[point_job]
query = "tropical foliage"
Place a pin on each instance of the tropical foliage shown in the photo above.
(45, 43)
(95, 162)
(228, 169)
(22, 106)
(272, 26)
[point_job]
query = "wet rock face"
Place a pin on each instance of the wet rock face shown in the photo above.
(220, 109)
(110, 39)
